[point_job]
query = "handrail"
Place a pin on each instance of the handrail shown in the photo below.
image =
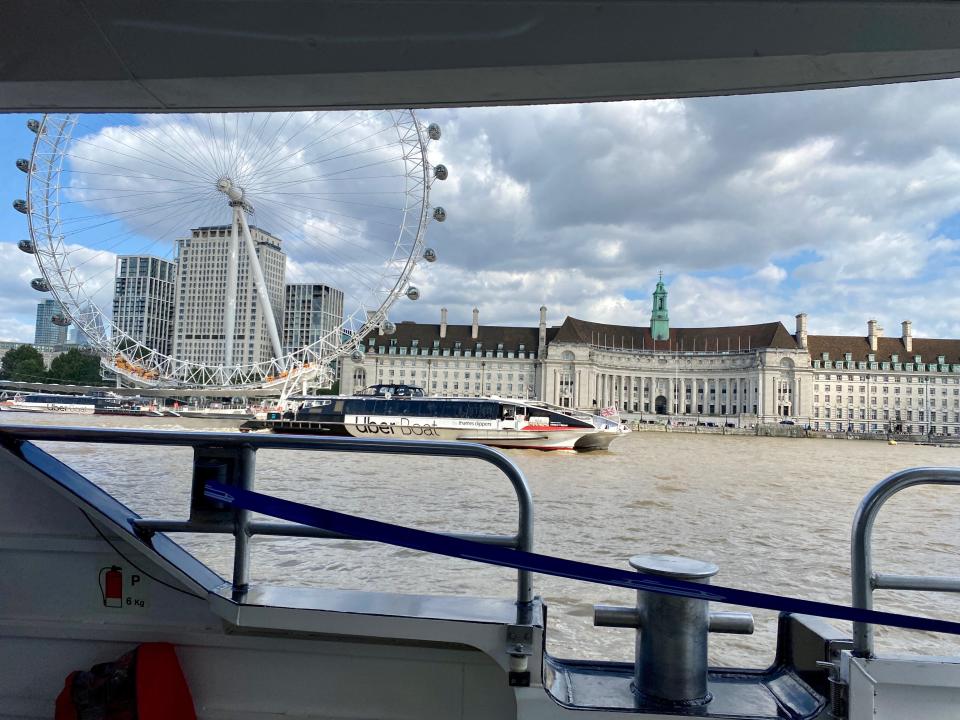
(861, 564)
(247, 445)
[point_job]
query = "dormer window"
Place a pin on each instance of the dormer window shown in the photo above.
(848, 356)
(436, 343)
(916, 359)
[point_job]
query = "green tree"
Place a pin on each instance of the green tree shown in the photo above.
(76, 368)
(23, 364)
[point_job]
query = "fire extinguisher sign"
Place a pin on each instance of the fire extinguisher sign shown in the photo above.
(121, 586)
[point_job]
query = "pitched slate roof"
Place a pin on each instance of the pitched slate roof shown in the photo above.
(929, 349)
(722, 339)
(489, 335)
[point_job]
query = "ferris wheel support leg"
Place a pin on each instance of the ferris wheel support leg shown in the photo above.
(230, 310)
(261, 285)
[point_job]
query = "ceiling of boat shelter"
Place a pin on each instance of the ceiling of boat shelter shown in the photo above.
(200, 55)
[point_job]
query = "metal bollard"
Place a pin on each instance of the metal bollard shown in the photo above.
(670, 666)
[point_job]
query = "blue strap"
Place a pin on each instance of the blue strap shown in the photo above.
(376, 531)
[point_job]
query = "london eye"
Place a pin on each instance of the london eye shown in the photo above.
(344, 197)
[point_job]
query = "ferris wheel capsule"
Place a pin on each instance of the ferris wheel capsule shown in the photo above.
(439, 214)
(23, 165)
(60, 320)
(430, 255)
(413, 293)
(440, 172)
(388, 327)
(20, 206)
(27, 246)
(40, 285)
(433, 131)
(33, 125)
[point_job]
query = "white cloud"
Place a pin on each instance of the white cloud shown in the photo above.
(837, 203)
(770, 273)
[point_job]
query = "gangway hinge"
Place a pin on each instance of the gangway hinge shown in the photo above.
(519, 648)
(838, 689)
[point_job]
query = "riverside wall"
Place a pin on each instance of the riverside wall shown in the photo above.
(785, 431)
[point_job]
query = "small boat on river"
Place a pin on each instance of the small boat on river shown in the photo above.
(403, 411)
(52, 403)
(98, 404)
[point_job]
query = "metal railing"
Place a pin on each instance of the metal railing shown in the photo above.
(865, 581)
(231, 458)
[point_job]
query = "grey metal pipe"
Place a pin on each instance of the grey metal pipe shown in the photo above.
(861, 561)
(288, 529)
(929, 583)
(734, 623)
(12, 434)
(167, 526)
(241, 536)
(731, 623)
(615, 616)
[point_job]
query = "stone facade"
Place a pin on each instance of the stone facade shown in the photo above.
(740, 374)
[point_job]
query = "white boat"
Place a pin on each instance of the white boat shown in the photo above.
(52, 403)
(87, 579)
(250, 652)
(403, 411)
(216, 413)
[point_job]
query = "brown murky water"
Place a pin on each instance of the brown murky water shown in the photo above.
(774, 514)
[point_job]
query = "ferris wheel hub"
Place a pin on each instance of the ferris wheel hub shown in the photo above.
(234, 193)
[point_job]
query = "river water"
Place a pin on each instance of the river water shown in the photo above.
(773, 513)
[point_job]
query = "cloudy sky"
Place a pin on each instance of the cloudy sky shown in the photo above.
(844, 204)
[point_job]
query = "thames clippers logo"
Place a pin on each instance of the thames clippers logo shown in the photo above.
(403, 426)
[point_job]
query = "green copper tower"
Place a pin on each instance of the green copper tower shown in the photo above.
(659, 320)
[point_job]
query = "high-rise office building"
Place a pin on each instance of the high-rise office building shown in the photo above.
(143, 299)
(201, 296)
(46, 332)
(310, 312)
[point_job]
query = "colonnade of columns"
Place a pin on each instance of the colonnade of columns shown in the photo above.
(669, 394)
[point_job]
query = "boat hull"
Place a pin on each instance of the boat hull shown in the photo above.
(538, 438)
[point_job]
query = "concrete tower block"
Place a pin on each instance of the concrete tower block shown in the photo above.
(907, 335)
(802, 330)
(443, 323)
(475, 331)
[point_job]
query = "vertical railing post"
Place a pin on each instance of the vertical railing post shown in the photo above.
(861, 560)
(245, 473)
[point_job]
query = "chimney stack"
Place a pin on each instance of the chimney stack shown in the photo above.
(476, 324)
(802, 330)
(874, 331)
(542, 344)
(907, 335)
(443, 323)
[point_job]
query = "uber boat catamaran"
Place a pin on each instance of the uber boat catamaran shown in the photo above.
(52, 403)
(403, 411)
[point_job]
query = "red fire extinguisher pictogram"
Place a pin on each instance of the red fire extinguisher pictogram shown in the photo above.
(111, 586)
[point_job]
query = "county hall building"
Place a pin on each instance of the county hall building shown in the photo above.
(742, 374)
